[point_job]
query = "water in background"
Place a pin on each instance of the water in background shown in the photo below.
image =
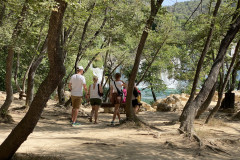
(148, 98)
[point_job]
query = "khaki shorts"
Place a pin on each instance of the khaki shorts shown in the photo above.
(76, 102)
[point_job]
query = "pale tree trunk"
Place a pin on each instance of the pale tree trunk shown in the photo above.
(30, 81)
(188, 114)
(9, 60)
(16, 74)
(31, 73)
(129, 110)
(26, 126)
(105, 60)
(204, 52)
(215, 109)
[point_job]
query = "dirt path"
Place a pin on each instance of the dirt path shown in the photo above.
(56, 137)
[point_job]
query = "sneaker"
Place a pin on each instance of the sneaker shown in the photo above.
(121, 121)
(112, 123)
(75, 124)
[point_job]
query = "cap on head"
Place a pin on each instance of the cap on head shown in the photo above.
(80, 68)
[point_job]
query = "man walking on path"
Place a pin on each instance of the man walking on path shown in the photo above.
(76, 85)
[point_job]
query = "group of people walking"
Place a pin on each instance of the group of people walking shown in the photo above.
(94, 94)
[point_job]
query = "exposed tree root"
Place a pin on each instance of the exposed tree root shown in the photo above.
(204, 145)
(6, 119)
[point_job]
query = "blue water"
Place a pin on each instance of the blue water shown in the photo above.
(148, 98)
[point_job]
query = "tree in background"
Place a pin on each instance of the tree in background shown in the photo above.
(55, 54)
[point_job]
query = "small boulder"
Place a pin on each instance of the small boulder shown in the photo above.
(163, 107)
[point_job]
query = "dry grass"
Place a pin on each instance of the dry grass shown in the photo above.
(203, 133)
(25, 156)
(217, 123)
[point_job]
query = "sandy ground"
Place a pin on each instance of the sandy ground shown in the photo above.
(55, 136)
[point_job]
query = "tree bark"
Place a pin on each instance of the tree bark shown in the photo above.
(25, 127)
(2, 11)
(16, 74)
(234, 76)
(105, 62)
(204, 52)
(216, 108)
(83, 37)
(9, 60)
(153, 93)
(129, 110)
(207, 102)
(188, 115)
(150, 64)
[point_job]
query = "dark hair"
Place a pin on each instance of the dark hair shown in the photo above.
(117, 75)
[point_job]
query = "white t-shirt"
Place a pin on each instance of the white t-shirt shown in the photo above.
(77, 82)
(118, 84)
(94, 92)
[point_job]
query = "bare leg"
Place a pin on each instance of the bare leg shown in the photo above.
(136, 109)
(96, 113)
(92, 112)
(74, 113)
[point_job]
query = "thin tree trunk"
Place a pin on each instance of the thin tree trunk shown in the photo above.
(150, 64)
(93, 58)
(216, 108)
(207, 102)
(26, 126)
(2, 11)
(189, 113)
(83, 37)
(153, 93)
(105, 64)
(129, 110)
(31, 74)
(9, 60)
(234, 76)
(204, 52)
(16, 74)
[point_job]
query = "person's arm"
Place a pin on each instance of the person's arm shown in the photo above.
(70, 86)
(100, 88)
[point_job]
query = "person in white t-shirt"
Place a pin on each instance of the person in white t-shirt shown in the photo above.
(95, 98)
(76, 85)
(116, 95)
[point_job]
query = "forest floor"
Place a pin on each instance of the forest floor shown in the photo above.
(55, 137)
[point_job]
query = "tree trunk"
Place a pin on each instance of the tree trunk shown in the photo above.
(9, 60)
(105, 63)
(16, 74)
(234, 76)
(188, 114)
(150, 64)
(2, 11)
(153, 93)
(204, 52)
(207, 102)
(60, 91)
(26, 126)
(129, 110)
(32, 71)
(215, 109)
(83, 37)
(8, 83)
(30, 81)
